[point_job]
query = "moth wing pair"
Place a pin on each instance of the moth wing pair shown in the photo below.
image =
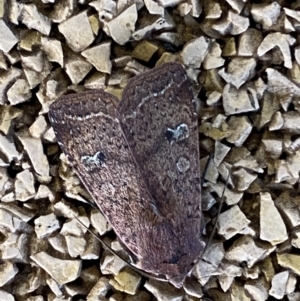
(140, 162)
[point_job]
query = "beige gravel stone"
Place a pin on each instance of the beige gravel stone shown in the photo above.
(279, 283)
(96, 80)
(99, 57)
(24, 213)
(15, 248)
(144, 51)
(75, 227)
(170, 37)
(46, 225)
(24, 186)
(184, 9)
(288, 205)
(35, 152)
(7, 78)
(249, 163)
(292, 13)
(162, 23)
(280, 84)
(99, 222)
(269, 107)
(213, 98)
(122, 27)
(291, 284)
(238, 71)
(163, 291)
(6, 296)
(8, 149)
(13, 56)
(192, 288)
(245, 250)
(213, 58)
(49, 136)
(243, 179)
(273, 147)
(227, 274)
(65, 209)
(92, 247)
(62, 271)
(112, 265)
(240, 129)
(8, 39)
(33, 61)
(289, 261)
(3, 62)
(77, 68)
(107, 9)
(231, 197)
(29, 39)
(53, 50)
(77, 37)
(53, 285)
(195, 51)
(19, 92)
(272, 227)
(38, 127)
(154, 8)
(44, 193)
(213, 10)
(266, 14)
(231, 222)
(239, 291)
(32, 18)
(234, 24)
(75, 245)
(230, 48)
(239, 101)
(249, 41)
(236, 5)
(126, 281)
(211, 173)
(169, 3)
(99, 290)
(256, 289)
(58, 242)
(276, 122)
(8, 198)
(8, 272)
(11, 222)
(282, 41)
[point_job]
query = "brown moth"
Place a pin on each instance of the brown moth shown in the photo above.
(139, 159)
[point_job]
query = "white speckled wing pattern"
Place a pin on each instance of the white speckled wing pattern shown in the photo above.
(140, 163)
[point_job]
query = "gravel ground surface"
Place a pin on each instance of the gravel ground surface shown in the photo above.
(243, 59)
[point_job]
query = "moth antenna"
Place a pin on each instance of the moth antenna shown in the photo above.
(108, 248)
(218, 214)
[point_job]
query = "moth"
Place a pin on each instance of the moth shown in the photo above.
(139, 160)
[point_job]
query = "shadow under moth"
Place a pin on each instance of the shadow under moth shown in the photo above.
(139, 160)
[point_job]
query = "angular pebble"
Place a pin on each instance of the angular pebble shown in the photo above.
(62, 271)
(232, 222)
(99, 57)
(122, 27)
(272, 227)
(77, 37)
(8, 39)
(46, 225)
(239, 101)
